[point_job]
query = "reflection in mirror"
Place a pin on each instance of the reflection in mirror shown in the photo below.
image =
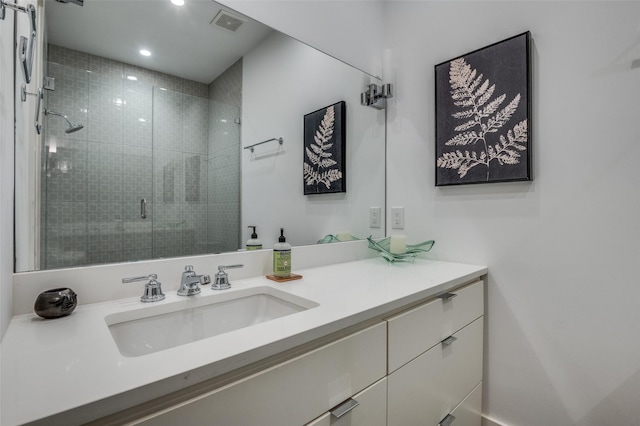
(158, 169)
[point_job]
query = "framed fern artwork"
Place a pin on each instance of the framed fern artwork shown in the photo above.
(324, 165)
(483, 115)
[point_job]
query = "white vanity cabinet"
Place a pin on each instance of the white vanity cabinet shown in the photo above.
(378, 336)
(296, 391)
(371, 409)
(469, 411)
(422, 366)
(435, 361)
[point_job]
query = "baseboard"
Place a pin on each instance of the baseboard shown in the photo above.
(487, 421)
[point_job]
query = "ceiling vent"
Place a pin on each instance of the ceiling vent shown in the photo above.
(227, 20)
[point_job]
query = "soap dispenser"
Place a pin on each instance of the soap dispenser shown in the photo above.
(254, 243)
(282, 257)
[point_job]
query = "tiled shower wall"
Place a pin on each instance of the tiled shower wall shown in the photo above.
(145, 136)
(225, 95)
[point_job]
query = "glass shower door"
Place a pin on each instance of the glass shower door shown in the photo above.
(180, 144)
(94, 179)
(154, 172)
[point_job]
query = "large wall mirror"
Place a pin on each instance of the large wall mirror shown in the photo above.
(141, 157)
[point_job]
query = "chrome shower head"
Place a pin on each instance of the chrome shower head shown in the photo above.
(72, 127)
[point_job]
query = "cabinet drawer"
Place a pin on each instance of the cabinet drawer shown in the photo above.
(415, 331)
(291, 393)
(429, 387)
(469, 412)
(371, 411)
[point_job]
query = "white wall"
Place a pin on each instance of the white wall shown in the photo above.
(19, 145)
(562, 304)
(6, 169)
(351, 31)
(282, 65)
(563, 300)
(27, 150)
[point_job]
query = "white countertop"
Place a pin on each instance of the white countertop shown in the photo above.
(71, 363)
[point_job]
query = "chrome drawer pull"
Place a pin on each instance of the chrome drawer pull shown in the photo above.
(447, 420)
(344, 408)
(449, 340)
(447, 296)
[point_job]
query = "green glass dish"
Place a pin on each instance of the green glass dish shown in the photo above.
(383, 245)
(334, 239)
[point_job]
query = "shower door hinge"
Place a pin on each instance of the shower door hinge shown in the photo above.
(49, 83)
(376, 96)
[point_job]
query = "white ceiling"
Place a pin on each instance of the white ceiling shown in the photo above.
(182, 40)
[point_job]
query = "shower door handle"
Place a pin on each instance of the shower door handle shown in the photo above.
(143, 208)
(36, 119)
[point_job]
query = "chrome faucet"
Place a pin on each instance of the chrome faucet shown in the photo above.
(190, 282)
(222, 279)
(152, 289)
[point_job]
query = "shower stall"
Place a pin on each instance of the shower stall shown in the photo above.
(137, 164)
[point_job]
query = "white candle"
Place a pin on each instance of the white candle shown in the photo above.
(398, 244)
(344, 236)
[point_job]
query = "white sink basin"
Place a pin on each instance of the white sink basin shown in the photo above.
(166, 325)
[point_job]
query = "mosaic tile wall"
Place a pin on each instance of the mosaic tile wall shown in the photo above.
(225, 95)
(145, 136)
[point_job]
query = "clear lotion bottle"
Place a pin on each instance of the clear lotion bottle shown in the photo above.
(254, 243)
(282, 257)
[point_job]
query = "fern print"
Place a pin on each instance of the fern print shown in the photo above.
(320, 169)
(485, 136)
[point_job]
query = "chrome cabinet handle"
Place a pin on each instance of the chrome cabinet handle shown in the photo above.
(344, 408)
(447, 421)
(449, 340)
(143, 208)
(447, 296)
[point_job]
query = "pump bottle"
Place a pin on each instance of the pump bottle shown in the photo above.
(254, 243)
(282, 257)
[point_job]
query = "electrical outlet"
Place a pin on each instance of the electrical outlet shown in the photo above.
(374, 217)
(397, 217)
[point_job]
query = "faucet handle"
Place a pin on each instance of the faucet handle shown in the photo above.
(188, 268)
(223, 267)
(222, 279)
(152, 289)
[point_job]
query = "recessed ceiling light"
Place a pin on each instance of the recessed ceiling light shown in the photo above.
(178, 2)
(145, 52)
(132, 77)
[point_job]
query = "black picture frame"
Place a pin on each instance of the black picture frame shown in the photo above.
(483, 115)
(324, 154)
